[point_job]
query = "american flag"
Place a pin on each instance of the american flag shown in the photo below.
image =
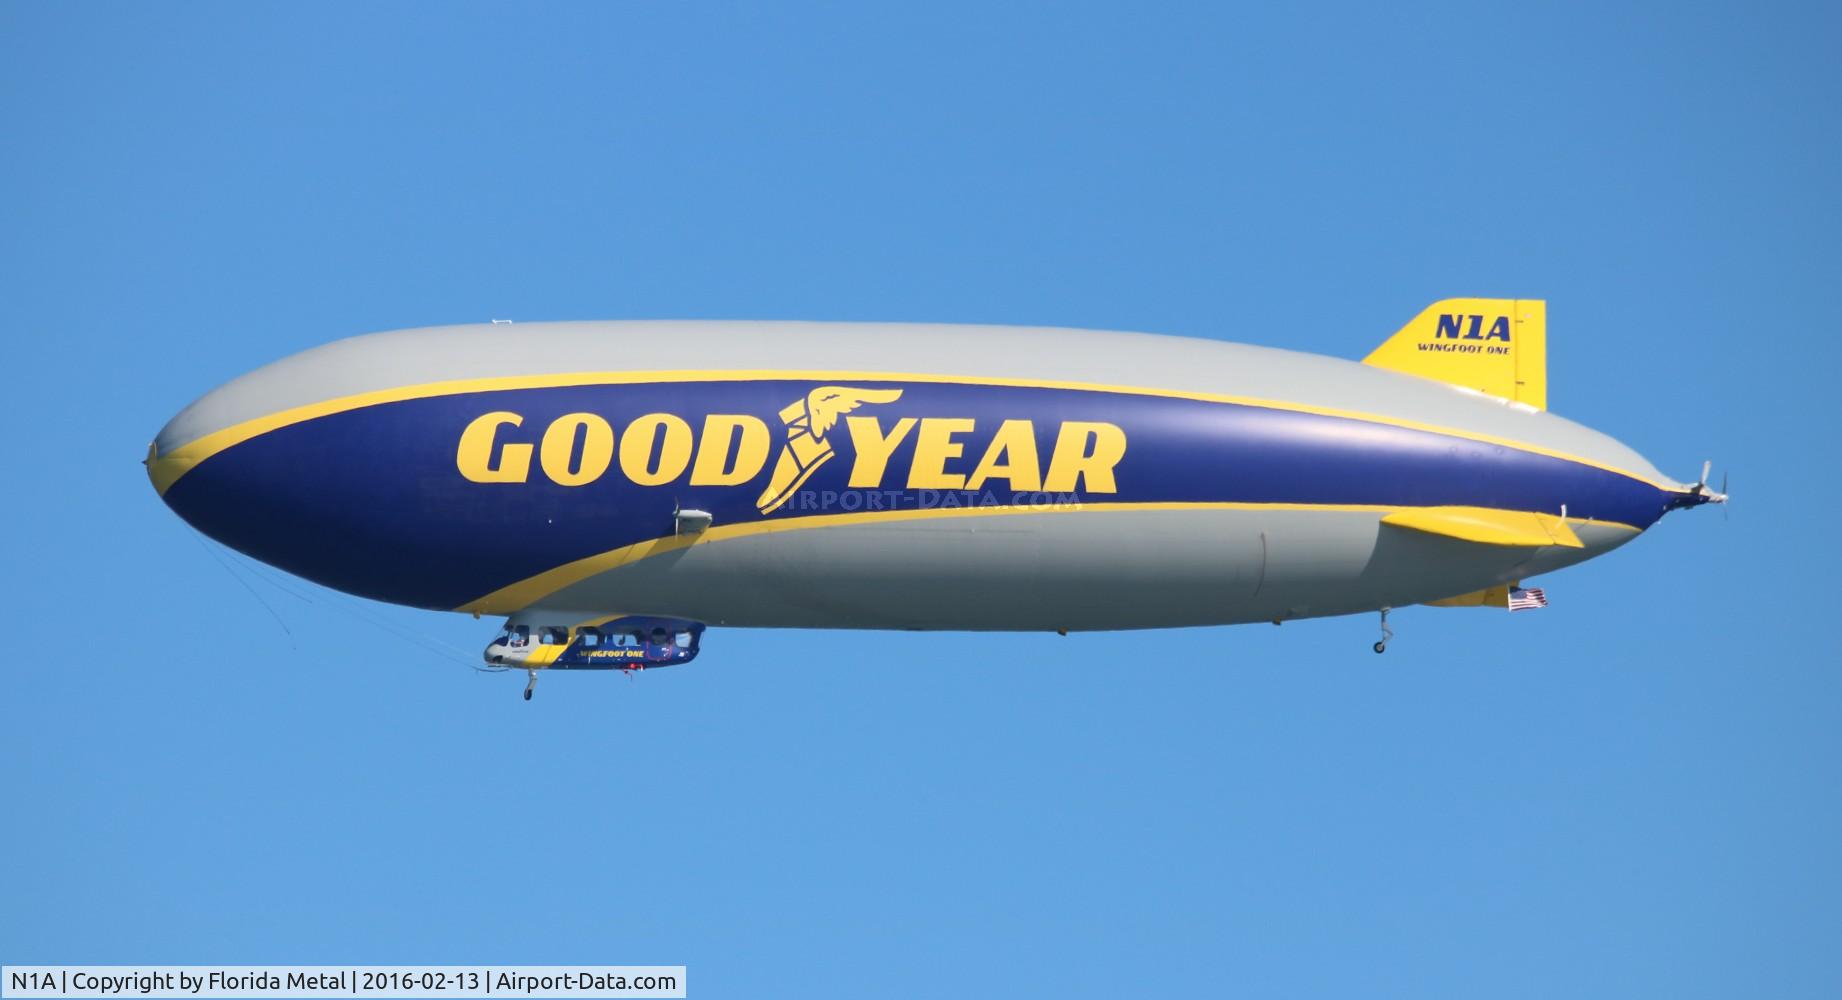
(1527, 600)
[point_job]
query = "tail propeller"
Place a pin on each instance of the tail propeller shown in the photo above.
(1699, 493)
(1701, 487)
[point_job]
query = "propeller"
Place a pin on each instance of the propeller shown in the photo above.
(1699, 493)
(1701, 487)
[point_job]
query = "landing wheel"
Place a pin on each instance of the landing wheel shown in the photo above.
(527, 691)
(529, 685)
(1380, 647)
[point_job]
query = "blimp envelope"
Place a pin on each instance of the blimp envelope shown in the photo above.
(574, 476)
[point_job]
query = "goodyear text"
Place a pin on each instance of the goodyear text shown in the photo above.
(731, 449)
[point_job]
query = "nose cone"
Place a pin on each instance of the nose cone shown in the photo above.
(170, 455)
(163, 470)
(340, 498)
(231, 488)
(332, 465)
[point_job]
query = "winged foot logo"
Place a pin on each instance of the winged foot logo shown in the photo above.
(808, 420)
(731, 449)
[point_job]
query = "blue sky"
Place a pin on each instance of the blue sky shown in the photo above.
(1634, 792)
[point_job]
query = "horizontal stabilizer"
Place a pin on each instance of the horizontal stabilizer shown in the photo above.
(1495, 346)
(1487, 526)
(1489, 597)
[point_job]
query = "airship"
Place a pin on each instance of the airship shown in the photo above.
(614, 489)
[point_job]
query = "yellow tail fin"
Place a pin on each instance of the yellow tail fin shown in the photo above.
(1489, 597)
(1487, 526)
(1496, 346)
